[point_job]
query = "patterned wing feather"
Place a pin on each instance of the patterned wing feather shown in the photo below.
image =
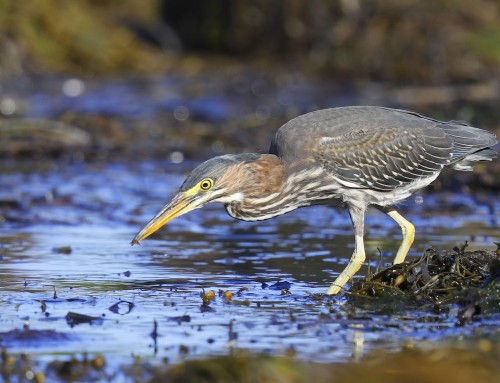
(386, 158)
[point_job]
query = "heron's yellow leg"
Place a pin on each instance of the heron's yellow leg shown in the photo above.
(358, 257)
(408, 233)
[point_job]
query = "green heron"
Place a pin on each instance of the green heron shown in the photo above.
(362, 155)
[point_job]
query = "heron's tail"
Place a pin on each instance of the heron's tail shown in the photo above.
(465, 164)
(469, 145)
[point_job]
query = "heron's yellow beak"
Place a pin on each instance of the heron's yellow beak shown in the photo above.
(180, 204)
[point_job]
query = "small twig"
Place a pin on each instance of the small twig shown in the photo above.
(379, 260)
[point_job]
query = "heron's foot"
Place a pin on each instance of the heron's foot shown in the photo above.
(357, 259)
(358, 256)
(334, 289)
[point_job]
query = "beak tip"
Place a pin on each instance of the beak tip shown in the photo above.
(178, 206)
(134, 242)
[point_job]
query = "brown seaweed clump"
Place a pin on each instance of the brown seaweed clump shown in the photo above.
(440, 278)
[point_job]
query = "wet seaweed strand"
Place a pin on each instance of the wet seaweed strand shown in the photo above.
(437, 276)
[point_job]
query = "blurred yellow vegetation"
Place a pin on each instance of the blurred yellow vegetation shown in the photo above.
(406, 41)
(82, 37)
(450, 364)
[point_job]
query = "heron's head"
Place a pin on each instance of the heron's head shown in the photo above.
(223, 179)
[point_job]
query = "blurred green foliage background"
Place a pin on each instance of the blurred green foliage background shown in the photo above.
(403, 41)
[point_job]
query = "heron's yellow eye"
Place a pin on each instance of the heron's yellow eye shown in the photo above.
(206, 184)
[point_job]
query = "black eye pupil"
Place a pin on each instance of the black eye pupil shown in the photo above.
(205, 185)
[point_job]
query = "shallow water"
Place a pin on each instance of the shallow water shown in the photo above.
(66, 228)
(67, 231)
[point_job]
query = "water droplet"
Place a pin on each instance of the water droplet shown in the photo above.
(419, 199)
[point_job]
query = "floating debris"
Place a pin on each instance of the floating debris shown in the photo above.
(207, 297)
(154, 336)
(226, 294)
(62, 250)
(180, 319)
(280, 285)
(74, 319)
(121, 307)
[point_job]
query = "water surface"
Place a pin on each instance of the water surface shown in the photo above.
(67, 230)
